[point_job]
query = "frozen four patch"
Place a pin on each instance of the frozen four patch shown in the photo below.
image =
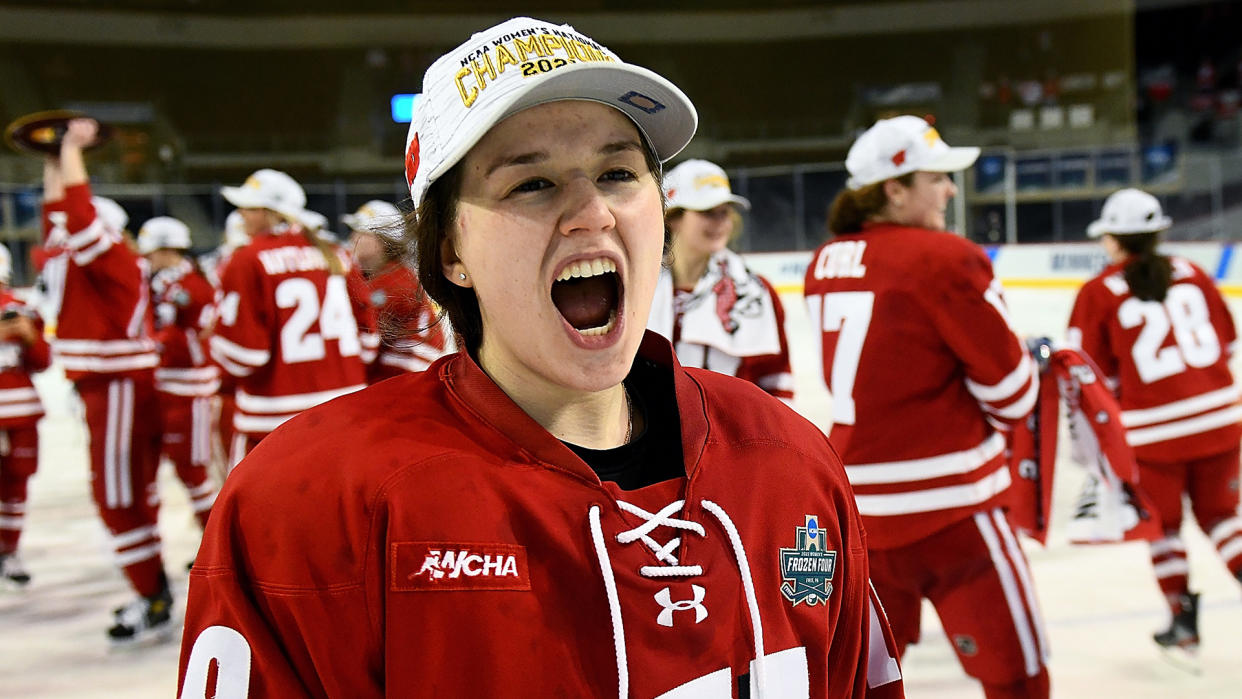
(807, 569)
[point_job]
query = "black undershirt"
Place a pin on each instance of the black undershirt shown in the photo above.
(654, 455)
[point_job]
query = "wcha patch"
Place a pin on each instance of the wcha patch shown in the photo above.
(807, 569)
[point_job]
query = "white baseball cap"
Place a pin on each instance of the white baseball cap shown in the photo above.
(163, 232)
(522, 63)
(378, 217)
(269, 189)
(1129, 211)
(111, 213)
(313, 220)
(6, 264)
(900, 145)
(699, 185)
(235, 234)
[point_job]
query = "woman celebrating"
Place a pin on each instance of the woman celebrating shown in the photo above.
(924, 370)
(718, 314)
(1159, 329)
(561, 510)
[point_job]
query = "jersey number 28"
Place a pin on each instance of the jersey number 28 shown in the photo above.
(1185, 312)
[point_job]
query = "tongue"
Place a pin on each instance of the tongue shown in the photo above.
(586, 303)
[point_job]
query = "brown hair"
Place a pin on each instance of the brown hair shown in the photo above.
(427, 228)
(1147, 272)
(853, 207)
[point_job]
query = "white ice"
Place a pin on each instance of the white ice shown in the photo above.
(1101, 603)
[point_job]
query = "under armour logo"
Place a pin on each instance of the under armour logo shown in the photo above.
(665, 598)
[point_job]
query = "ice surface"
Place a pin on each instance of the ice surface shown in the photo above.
(1101, 604)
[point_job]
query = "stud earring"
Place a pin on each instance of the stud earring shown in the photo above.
(462, 276)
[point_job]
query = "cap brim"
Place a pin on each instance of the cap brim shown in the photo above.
(241, 197)
(711, 202)
(1096, 229)
(245, 198)
(953, 160)
(659, 108)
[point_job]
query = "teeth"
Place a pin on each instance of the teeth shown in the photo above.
(603, 329)
(587, 268)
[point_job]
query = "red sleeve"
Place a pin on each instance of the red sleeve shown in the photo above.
(862, 644)
(772, 372)
(242, 340)
(1088, 328)
(969, 312)
(261, 640)
(1222, 319)
(38, 355)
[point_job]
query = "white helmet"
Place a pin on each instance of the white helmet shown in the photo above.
(269, 189)
(235, 234)
(1129, 211)
(111, 213)
(163, 232)
(6, 265)
(378, 217)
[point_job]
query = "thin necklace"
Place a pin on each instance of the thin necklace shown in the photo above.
(629, 408)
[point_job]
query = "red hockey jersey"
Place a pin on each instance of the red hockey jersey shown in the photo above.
(19, 402)
(411, 337)
(923, 367)
(446, 545)
(184, 311)
(1168, 361)
(292, 333)
(97, 289)
(731, 322)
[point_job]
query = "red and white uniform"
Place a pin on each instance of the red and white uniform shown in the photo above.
(411, 336)
(1169, 364)
(293, 334)
(391, 569)
(98, 289)
(731, 322)
(924, 369)
(20, 410)
(186, 379)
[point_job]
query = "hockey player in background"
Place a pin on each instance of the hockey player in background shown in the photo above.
(1160, 332)
(926, 374)
(562, 509)
(411, 336)
(212, 264)
(23, 351)
(185, 380)
(97, 287)
(717, 313)
(294, 325)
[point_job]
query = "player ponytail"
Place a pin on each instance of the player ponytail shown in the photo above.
(1147, 272)
(853, 207)
(330, 256)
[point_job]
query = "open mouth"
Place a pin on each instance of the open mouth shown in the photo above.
(587, 294)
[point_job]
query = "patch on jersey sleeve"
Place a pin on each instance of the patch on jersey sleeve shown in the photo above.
(420, 566)
(807, 569)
